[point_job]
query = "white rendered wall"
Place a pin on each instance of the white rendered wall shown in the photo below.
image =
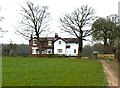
(59, 46)
(70, 51)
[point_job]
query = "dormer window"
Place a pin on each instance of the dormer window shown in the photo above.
(49, 43)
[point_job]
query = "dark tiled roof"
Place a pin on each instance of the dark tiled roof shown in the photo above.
(68, 40)
(55, 39)
(71, 40)
(46, 38)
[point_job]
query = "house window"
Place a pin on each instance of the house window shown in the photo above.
(37, 51)
(34, 42)
(67, 46)
(33, 51)
(74, 50)
(59, 50)
(49, 43)
(49, 52)
(59, 42)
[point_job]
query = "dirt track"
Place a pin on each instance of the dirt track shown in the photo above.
(111, 74)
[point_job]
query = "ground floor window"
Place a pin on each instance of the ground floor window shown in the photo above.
(74, 50)
(59, 50)
(35, 51)
(49, 52)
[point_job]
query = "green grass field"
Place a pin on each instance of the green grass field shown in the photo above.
(27, 71)
(0, 71)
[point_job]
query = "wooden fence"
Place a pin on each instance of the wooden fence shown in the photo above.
(106, 56)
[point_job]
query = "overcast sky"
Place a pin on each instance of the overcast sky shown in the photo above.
(10, 10)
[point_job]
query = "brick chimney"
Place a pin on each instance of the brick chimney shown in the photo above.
(56, 35)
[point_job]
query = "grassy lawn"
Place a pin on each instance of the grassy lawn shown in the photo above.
(0, 71)
(24, 71)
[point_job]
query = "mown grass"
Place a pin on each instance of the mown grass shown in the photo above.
(0, 71)
(24, 71)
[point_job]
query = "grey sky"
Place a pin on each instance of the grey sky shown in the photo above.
(11, 8)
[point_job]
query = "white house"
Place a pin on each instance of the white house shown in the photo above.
(54, 45)
(64, 46)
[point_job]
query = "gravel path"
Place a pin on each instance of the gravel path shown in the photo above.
(111, 77)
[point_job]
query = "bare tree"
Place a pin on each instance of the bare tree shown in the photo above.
(1, 30)
(74, 23)
(1, 19)
(35, 19)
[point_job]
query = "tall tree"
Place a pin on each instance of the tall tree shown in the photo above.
(116, 39)
(35, 19)
(89, 49)
(118, 43)
(73, 23)
(104, 30)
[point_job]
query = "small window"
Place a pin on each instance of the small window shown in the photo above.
(74, 50)
(59, 50)
(37, 51)
(34, 42)
(49, 52)
(33, 51)
(49, 42)
(67, 46)
(59, 42)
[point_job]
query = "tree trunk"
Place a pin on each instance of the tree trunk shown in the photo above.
(105, 45)
(38, 44)
(118, 52)
(80, 45)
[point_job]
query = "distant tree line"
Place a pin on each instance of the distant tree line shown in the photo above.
(98, 47)
(15, 49)
(23, 49)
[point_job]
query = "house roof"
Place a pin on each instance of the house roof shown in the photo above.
(46, 38)
(67, 40)
(71, 40)
(55, 39)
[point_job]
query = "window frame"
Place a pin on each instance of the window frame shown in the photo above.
(59, 42)
(34, 42)
(59, 50)
(75, 51)
(49, 42)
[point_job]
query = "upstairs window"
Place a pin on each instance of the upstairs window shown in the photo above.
(34, 42)
(59, 42)
(49, 43)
